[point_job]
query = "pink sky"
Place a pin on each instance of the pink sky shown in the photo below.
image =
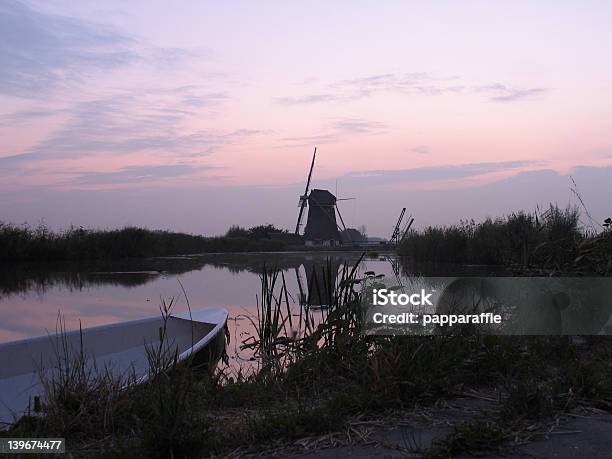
(137, 112)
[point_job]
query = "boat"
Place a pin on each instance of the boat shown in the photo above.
(124, 349)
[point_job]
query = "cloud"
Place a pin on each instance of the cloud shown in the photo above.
(308, 99)
(436, 173)
(40, 51)
(335, 130)
(170, 57)
(407, 83)
(362, 87)
(421, 149)
(300, 141)
(120, 126)
(140, 173)
(417, 83)
(205, 100)
(19, 159)
(503, 93)
(43, 54)
(357, 126)
(21, 116)
(115, 125)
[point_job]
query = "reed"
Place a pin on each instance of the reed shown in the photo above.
(547, 239)
(329, 318)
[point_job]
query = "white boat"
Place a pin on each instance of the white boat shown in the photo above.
(119, 348)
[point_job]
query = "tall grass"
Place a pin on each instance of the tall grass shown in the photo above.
(547, 239)
(24, 243)
(284, 333)
(78, 397)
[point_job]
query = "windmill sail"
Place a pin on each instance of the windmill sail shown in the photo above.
(304, 197)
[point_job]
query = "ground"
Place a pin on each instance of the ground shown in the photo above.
(585, 433)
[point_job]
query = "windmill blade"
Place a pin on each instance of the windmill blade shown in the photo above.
(345, 199)
(340, 215)
(304, 197)
(299, 220)
(314, 155)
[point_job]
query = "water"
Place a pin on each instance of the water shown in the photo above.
(32, 297)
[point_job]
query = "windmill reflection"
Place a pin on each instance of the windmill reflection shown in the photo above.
(317, 277)
(317, 284)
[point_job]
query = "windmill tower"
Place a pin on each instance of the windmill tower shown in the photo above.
(321, 226)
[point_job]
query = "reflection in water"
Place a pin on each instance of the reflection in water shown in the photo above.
(320, 281)
(25, 278)
(96, 293)
(90, 294)
(28, 278)
(32, 295)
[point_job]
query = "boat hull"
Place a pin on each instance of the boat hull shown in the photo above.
(123, 350)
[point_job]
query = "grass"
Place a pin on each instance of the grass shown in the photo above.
(468, 438)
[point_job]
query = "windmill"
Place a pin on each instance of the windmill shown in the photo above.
(321, 225)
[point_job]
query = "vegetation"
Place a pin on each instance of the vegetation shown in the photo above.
(23, 243)
(254, 233)
(316, 371)
(548, 240)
